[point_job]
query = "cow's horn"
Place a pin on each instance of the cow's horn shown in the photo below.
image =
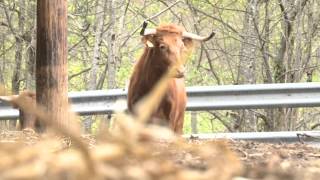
(149, 32)
(197, 37)
(145, 31)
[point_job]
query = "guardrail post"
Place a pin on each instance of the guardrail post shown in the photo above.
(108, 121)
(87, 124)
(194, 122)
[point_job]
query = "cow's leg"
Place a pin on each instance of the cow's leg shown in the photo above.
(176, 121)
(179, 123)
(161, 116)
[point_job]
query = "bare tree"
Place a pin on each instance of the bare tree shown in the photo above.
(99, 28)
(247, 62)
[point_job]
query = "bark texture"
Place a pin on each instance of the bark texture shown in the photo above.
(51, 66)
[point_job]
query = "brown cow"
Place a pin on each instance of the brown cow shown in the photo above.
(26, 119)
(165, 46)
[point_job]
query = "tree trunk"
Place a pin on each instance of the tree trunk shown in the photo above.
(247, 64)
(31, 52)
(268, 124)
(31, 62)
(110, 68)
(111, 46)
(312, 28)
(100, 16)
(16, 78)
(92, 84)
(267, 77)
(2, 63)
(17, 69)
(51, 59)
(2, 75)
(284, 63)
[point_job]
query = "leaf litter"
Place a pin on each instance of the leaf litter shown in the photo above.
(135, 150)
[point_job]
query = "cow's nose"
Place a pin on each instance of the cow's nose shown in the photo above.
(180, 72)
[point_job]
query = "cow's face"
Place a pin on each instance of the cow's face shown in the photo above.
(170, 48)
(171, 45)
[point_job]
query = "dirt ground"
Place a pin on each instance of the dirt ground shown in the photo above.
(268, 160)
(146, 158)
(278, 161)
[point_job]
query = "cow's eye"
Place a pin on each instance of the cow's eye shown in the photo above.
(186, 41)
(163, 47)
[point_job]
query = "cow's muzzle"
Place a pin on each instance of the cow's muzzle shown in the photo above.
(180, 72)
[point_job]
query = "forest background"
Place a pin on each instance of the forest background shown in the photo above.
(257, 41)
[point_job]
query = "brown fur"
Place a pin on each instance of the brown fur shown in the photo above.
(26, 119)
(169, 50)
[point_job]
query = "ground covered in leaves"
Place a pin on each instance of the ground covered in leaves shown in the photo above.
(151, 153)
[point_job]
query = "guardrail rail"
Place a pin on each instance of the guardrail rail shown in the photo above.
(200, 98)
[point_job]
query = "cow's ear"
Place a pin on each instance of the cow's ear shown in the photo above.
(149, 44)
(188, 43)
(148, 41)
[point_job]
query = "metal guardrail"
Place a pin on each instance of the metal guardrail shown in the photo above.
(200, 98)
(257, 96)
(310, 137)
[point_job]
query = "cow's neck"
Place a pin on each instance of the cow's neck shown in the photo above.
(152, 70)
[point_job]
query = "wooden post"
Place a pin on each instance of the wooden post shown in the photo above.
(51, 58)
